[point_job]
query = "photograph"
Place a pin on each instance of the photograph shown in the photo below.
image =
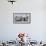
(22, 22)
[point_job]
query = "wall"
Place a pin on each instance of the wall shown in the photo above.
(37, 28)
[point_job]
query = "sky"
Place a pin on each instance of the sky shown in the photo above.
(37, 27)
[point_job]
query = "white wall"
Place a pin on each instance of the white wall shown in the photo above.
(37, 28)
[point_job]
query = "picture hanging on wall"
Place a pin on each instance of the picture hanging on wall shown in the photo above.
(21, 18)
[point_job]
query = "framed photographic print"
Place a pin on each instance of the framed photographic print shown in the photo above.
(21, 18)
